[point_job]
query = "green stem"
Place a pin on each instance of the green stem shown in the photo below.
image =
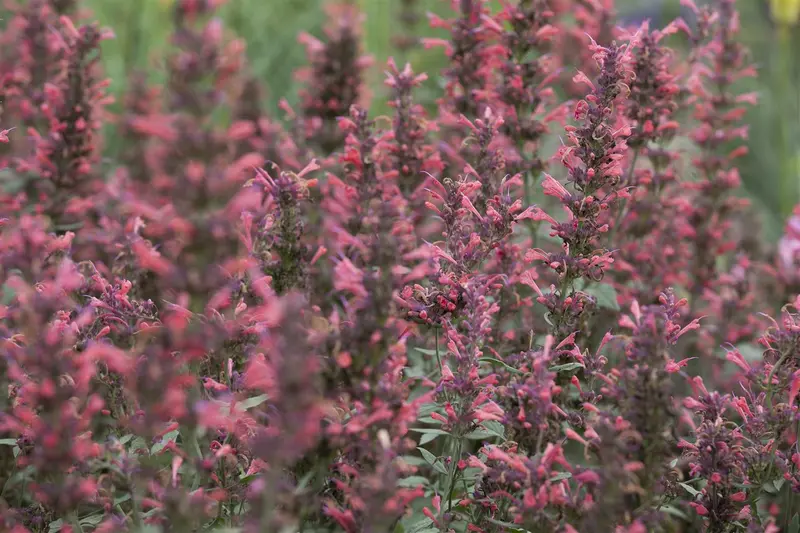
(453, 474)
(783, 86)
(772, 372)
(623, 210)
(194, 451)
(76, 523)
(438, 357)
(136, 509)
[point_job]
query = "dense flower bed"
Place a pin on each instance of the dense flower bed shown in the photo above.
(542, 307)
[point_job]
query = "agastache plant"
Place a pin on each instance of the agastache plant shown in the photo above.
(333, 78)
(644, 223)
(217, 320)
(65, 145)
(593, 156)
(721, 61)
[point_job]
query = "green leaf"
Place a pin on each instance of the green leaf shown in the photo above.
(494, 361)
(91, 520)
(414, 460)
(674, 511)
(691, 490)
(567, 367)
(413, 372)
(428, 456)
(480, 434)
(794, 526)
(430, 430)
(508, 525)
(138, 443)
(252, 402)
(56, 525)
(560, 476)
(304, 481)
(412, 481)
(750, 352)
(605, 295)
(769, 487)
(148, 528)
(6, 295)
(432, 460)
(495, 427)
(779, 483)
(428, 437)
(169, 437)
(69, 227)
(8, 442)
(427, 408)
(420, 526)
(427, 351)
(490, 429)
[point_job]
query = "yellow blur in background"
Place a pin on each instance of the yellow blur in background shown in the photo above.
(785, 12)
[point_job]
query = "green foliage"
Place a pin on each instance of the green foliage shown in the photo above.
(770, 173)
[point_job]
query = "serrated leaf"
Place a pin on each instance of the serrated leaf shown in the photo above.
(421, 525)
(495, 427)
(428, 437)
(489, 429)
(494, 361)
(304, 481)
(160, 445)
(414, 460)
(507, 525)
(69, 227)
(428, 456)
(412, 481)
(750, 352)
(92, 520)
(480, 434)
(691, 490)
(427, 408)
(430, 430)
(674, 511)
(432, 460)
(149, 528)
(249, 403)
(138, 443)
(567, 367)
(605, 295)
(412, 372)
(794, 526)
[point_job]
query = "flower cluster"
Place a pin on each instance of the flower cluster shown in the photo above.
(331, 322)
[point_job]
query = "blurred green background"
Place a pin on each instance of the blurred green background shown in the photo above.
(771, 171)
